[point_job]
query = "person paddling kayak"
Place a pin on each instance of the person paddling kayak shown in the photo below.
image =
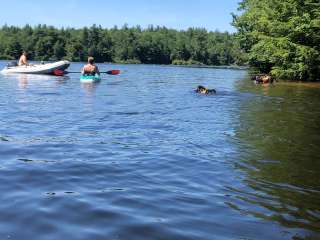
(23, 61)
(90, 69)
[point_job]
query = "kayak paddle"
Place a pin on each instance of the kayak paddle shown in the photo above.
(58, 72)
(112, 72)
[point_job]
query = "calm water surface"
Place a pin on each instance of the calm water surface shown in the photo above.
(141, 156)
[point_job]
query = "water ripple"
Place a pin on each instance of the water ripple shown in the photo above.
(142, 156)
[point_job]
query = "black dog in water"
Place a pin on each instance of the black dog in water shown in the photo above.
(204, 90)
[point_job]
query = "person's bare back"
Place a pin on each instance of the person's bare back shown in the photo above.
(90, 68)
(23, 59)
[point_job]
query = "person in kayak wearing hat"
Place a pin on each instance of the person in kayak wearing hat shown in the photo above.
(90, 69)
(23, 61)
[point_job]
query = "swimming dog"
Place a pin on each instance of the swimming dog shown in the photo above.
(203, 90)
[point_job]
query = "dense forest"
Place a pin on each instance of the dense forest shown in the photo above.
(281, 37)
(156, 45)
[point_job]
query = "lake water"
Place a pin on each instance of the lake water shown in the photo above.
(141, 156)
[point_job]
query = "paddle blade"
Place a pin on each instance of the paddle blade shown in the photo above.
(113, 72)
(58, 72)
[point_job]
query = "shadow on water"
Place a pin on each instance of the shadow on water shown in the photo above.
(278, 135)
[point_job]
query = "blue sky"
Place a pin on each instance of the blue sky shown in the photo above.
(178, 14)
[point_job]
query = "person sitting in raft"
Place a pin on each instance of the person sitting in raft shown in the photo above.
(90, 69)
(204, 90)
(23, 61)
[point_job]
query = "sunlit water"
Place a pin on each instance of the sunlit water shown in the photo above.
(141, 156)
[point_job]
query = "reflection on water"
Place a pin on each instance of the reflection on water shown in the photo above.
(24, 80)
(279, 137)
(89, 87)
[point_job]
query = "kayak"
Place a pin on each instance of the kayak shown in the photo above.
(47, 68)
(90, 79)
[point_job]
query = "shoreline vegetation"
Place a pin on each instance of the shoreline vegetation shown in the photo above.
(281, 38)
(188, 65)
(134, 45)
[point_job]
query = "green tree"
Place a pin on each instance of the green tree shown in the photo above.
(74, 50)
(281, 37)
(152, 45)
(13, 49)
(58, 50)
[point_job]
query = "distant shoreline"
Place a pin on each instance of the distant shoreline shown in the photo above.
(235, 67)
(312, 84)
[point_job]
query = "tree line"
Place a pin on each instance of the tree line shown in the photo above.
(153, 45)
(281, 37)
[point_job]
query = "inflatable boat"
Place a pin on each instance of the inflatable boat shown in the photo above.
(46, 68)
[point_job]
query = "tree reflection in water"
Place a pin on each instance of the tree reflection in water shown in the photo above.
(278, 132)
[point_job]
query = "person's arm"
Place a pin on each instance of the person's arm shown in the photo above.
(25, 61)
